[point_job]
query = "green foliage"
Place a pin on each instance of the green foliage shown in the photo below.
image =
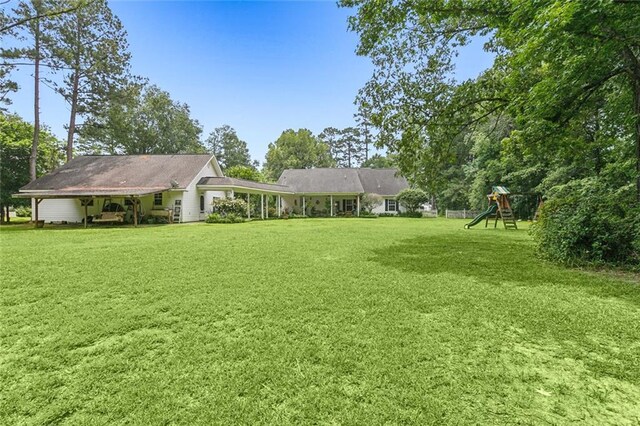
(377, 161)
(227, 206)
(229, 149)
(15, 149)
(143, 119)
(296, 150)
(412, 199)
(413, 214)
(23, 211)
(369, 202)
(245, 172)
(586, 222)
(228, 218)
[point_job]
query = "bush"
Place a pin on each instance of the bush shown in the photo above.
(24, 211)
(410, 214)
(226, 206)
(412, 199)
(584, 222)
(366, 215)
(369, 202)
(229, 218)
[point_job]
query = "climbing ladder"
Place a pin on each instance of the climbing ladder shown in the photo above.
(508, 219)
(504, 212)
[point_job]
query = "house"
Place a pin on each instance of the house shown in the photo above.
(181, 188)
(333, 190)
(160, 185)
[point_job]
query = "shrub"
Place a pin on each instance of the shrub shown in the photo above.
(412, 199)
(409, 214)
(229, 218)
(226, 206)
(369, 202)
(24, 211)
(584, 222)
(367, 215)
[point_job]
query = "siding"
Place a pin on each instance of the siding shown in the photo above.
(191, 197)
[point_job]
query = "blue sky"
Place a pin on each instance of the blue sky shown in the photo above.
(261, 66)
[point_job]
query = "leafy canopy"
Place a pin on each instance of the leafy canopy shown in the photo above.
(296, 150)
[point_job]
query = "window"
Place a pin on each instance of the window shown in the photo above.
(202, 204)
(348, 205)
(390, 205)
(128, 202)
(157, 199)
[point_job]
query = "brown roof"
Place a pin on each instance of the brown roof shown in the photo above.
(348, 181)
(121, 174)
(235, 183)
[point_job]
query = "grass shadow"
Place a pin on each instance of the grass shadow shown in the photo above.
(495, 259)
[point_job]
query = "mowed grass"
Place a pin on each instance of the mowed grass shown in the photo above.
(344, 321)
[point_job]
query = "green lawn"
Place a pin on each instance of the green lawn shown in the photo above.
(343, 321)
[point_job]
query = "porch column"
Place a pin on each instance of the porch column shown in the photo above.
(262, 206)
(358, 206)
(37, 200)
(331, 210)
(135, 211)
(84, 202)
(233, 194)
(248, 206)
(279, 205)
(304, 206)
(266, 200)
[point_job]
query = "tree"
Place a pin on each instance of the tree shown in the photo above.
(15, 152)
(551, 60)
(244, 172)
(142, 119)
(331, 137)
(368, 201)
(351, 148)
(90, 43)
(229, 149)
(412, 199)
(296, 150)
(377, 161)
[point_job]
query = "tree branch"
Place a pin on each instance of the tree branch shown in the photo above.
(50, 14)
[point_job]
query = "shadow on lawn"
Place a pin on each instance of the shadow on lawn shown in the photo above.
(487, 259)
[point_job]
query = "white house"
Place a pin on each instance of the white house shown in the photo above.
(182, 187)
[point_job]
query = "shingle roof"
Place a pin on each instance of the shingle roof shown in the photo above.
(348, 181)
(235, 183)
(122, 173)
(382, 181)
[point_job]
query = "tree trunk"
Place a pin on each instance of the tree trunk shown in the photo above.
(74, 93)
(1, 214)
(8, 218)
(72, 118)
(33, 158)
(636, 110)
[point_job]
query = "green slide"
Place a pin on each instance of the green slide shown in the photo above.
(476, 220)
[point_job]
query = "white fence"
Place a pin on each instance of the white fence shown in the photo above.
(461, 214)
(430, 213)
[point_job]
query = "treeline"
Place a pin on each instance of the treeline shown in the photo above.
(558, 113)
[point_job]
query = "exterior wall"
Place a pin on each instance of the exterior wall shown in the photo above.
(57, 210)
(380, 208)
(191, 197)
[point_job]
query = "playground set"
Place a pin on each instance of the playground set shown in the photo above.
(499, 208)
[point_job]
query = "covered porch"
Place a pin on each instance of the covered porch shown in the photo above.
(324, 204)
(236, 188)
(101, 206)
